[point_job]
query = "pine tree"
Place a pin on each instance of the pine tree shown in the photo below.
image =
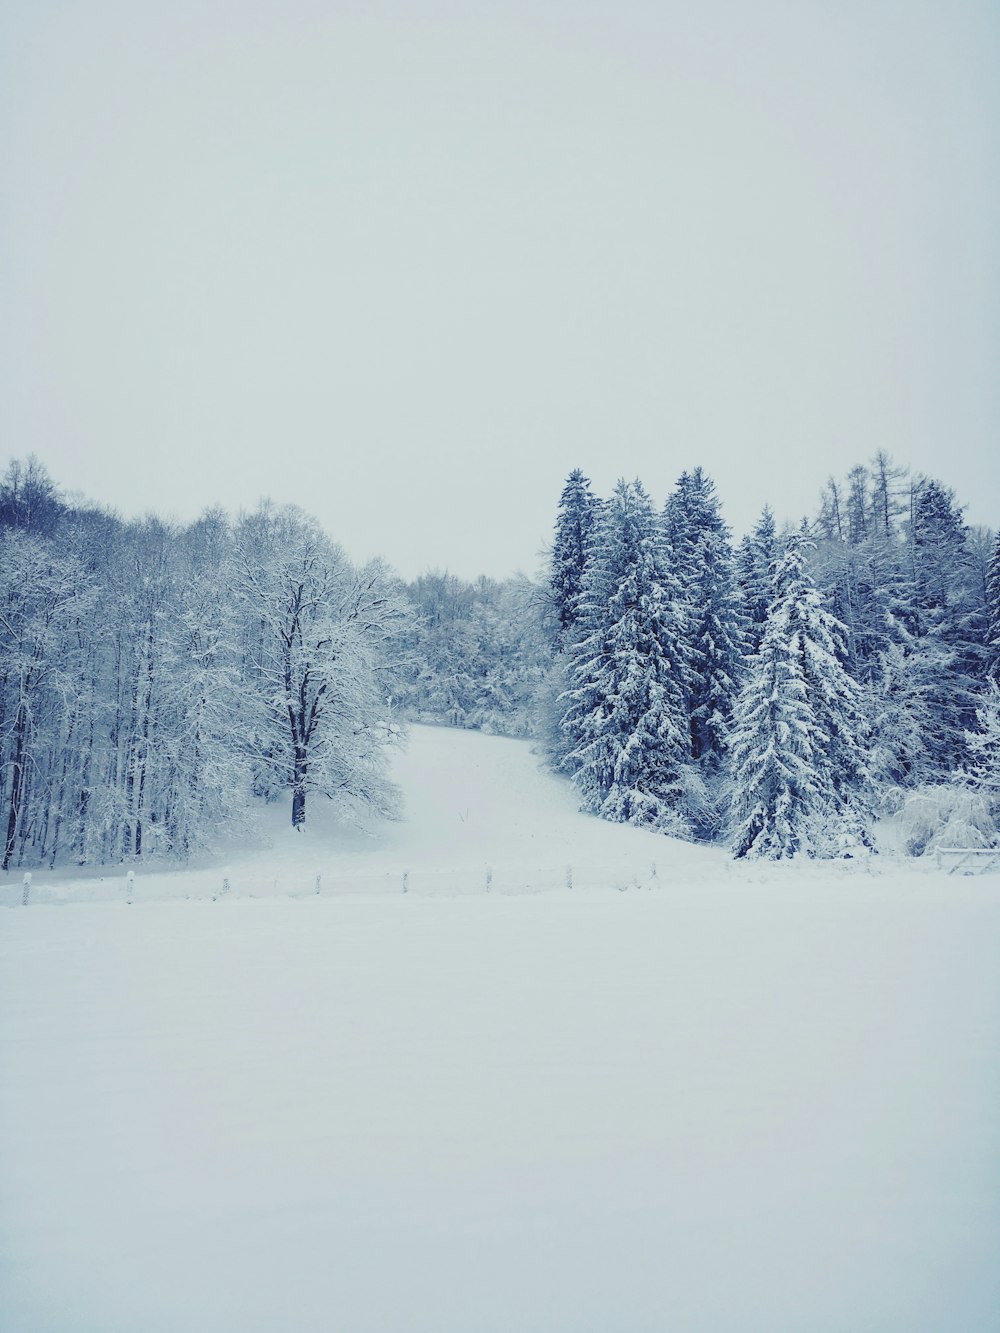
(912, 597)
(574, 529)
(799, 773)
(625, 723)
(701, 558)
(948, 612)
(773, 748)
(940, 556)
(756, 563)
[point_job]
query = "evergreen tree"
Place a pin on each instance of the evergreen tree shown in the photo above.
(625, 721)
(773, 748)
(756, 563)
(949, 615)
(912, 598)
(799, 773)
(940, 556)
(701, 557)
(574, 529)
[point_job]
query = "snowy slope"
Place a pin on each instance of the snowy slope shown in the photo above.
(750, 1102)
(472, 803)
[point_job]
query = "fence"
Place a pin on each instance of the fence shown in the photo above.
(218, 885)
(968, 860)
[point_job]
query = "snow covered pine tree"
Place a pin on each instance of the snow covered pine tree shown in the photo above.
(574, 530)
(756, 561)
(701, 556)
(625, 721)
(800, 781)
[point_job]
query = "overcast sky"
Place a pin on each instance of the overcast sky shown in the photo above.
(407, 264)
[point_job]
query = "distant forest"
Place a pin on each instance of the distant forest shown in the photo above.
(783, 694)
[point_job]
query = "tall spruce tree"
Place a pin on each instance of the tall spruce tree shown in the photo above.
(800, 779)
(625, 723)
(756, 562)
(701, 557)
(949, 618)
(574, 530)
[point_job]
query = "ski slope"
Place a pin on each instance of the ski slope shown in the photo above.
(718, 1099)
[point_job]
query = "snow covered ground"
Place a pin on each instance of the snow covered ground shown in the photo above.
(718, 1099)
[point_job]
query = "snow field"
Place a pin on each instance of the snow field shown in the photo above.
(762, 1104)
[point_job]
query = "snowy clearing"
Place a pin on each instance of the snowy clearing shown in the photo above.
(732, 1099)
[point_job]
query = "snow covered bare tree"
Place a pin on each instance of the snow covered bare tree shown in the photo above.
(476, 653)
(984, 748)
(29, 499)
(319, 660)
(41, 594)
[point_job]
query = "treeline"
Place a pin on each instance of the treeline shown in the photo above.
(780, 693)
(155, 679)
(476, 653)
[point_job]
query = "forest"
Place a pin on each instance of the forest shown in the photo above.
(784, 694)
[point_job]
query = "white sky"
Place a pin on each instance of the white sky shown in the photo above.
(407, 264)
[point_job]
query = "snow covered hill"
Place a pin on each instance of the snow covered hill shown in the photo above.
(474, 806)
(718, 1099)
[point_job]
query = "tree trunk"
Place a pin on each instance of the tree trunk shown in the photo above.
(16, 785)
(298, 807)
(299, 789)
